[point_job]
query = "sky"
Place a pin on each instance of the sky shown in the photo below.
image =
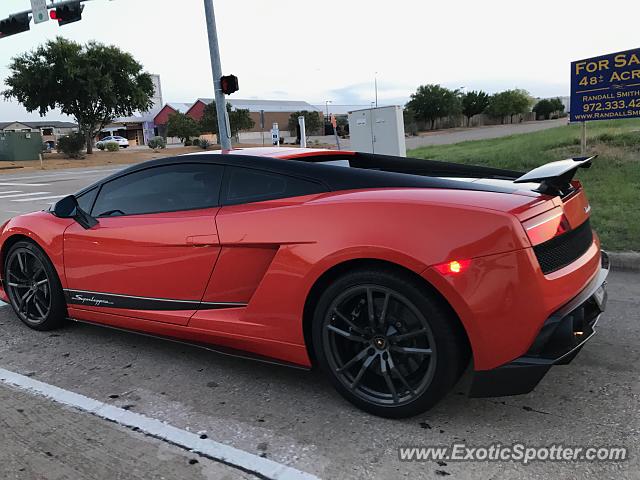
(333, 49)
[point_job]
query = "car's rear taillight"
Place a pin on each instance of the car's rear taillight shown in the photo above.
(546, 226)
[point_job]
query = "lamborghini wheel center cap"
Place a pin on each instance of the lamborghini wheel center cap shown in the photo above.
(380, 343)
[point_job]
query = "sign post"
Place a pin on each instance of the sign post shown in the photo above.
(303, 132)
(334, 124)
(40, 11)
(275, 135)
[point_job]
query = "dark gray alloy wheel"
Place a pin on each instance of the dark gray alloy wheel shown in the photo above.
(33, 287)
(386, 344)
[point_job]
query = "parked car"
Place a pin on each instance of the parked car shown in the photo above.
(123, 142)
(392, 275)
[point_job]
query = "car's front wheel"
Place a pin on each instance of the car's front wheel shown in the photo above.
(387, 343)
(33, 287)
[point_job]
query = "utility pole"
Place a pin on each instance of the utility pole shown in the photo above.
(221, 105)
(376, 86)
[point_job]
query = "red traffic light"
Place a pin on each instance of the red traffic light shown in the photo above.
(68, 13)
(229, 84)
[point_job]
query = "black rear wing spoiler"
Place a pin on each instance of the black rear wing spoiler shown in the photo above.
(555, 177)
(428, 168)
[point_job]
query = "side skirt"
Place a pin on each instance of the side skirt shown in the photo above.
(230, 352)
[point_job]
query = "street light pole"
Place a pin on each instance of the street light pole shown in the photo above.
(326, 103)
(216, 68)
(376, 85)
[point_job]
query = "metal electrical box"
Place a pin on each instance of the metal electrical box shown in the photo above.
(378, 130)
(15, 146)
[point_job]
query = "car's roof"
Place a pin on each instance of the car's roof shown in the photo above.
(279, 152)
(369, 171)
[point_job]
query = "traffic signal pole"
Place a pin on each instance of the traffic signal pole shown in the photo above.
(224, 136)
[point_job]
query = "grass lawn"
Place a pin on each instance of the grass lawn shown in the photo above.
(612, 183)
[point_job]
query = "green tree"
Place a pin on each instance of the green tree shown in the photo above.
(543, 108)
(557, 104)
(509, 103)
(547, 106)
(182, 127)
(474, 103)
(312, 122)
(94, 83)
(431, 102)
(239, 120)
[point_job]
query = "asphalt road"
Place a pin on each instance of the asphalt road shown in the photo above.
(31, 191)
(456, 135)
(294, 417)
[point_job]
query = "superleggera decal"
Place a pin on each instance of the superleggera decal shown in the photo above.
(112, 300)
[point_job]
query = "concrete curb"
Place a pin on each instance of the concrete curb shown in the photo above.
(629, 261)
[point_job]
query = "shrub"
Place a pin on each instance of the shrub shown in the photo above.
(112, 146)
(622, 140)
(204, 143)
(71, 145)
(188, 143)
(100, 145)
(195, 142)
(157, 143)
(605, 138)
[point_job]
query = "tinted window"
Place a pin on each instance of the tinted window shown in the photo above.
(161, 189)
(86, 199)
(245, 185)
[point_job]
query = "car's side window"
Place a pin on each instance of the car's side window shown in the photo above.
(245, 185)
(85, 201)
(168, 188)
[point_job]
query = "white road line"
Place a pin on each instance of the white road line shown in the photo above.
(6, 184)
(38, 199)
(24, 194)
(73, 174)
(209, 448)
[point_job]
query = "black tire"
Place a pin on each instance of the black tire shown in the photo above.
(33, 287)
(345, 341)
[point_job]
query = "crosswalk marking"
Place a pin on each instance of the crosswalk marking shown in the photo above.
(7, 184)
(38, 198)
(24, 194)
(72, 174)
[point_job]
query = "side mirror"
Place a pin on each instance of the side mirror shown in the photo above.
(68, 207)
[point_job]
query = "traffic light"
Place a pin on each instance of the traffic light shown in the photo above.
(69, 13)
(229, 84)
(14, 24)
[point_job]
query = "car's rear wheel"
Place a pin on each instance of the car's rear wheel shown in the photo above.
(33, 287)
(386, 342)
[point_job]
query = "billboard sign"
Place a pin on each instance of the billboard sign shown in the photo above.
(606, 87)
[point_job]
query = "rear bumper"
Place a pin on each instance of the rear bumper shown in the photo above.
(562, 336)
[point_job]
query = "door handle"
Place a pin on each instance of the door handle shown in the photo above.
(202, 240)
